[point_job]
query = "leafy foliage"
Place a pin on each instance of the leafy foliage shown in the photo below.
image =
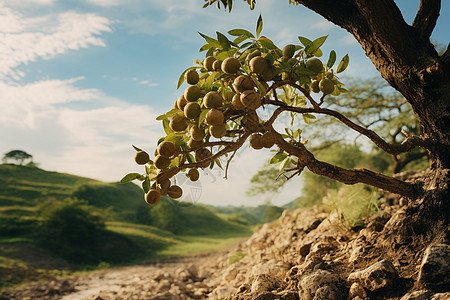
(17, 155)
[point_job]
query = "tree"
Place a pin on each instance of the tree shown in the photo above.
(17, 155)
(402, 53)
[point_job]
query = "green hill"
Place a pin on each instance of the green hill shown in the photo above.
(80, 222)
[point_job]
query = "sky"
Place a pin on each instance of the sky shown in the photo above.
(81, 81)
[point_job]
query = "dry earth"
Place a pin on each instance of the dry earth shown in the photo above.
(307, 254)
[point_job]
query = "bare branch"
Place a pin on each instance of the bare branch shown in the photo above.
(426, 17)
(347, 176)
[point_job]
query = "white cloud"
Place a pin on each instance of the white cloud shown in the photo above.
(21, 43)
(29, 2)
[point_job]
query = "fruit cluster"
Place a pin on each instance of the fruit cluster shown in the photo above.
(217, 110)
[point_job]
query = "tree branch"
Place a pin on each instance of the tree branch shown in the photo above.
(426, 17)
(408, 144)
(347, 176)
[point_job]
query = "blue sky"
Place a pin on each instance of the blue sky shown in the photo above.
(82, 80)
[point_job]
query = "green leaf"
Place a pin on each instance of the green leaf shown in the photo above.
(289, 132)
(306, 119)
(218, 163)
(213, 42)
(266, 43)
(210, 80)
(240, 32)
(166, 127)
(278, 157)
(343, 64)
(161, 117)
(306, 42)
(239, 39)
(223, 40)
(202, 116)
(259, 25)
(315, 45)
(331, 59)
(205, 47)
(130, 177)
(190, 158)
(172, 112)
(245, 45)
(297, 133)
(136, 148)
(284, 164)
(146, 185)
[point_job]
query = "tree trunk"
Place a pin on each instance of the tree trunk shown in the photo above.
(405, 57)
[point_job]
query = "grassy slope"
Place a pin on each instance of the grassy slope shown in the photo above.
(22, 189)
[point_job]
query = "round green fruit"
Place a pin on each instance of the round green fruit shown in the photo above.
(193, 174)
(255, 141)
(152, 197)
(253, 54)
(268, 139)
(202, 154)
(166, 149)
(174, 192)
(289, 50)
(315, 86)
(191, 77)
(243, 83)
(197, 134)
(178, 123)
(231, 65)
(192, 110)
(314, 65)
(217, 66)
(208, 63)
(213, 100)
(194, 144)
(218, 131)
(326, 86)
(214, 117)
(192, 93)
(141, 157)
(250, 99)
(258, 65)
(161, 162)
(236, 102)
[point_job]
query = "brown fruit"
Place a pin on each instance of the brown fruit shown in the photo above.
(208, 63)
(141, 157)
(161, 162)
(258, 65)
(218, 131)
(174, 192)
(268, 74)
(181, 102)
(191, 77)
(243, 83)
(193, 144)
(292, 61)
(289, 50)
(314, 65)
(253, 54)
(217, 65)
(192, 110)
(164, 184)
(213, 100)
(229, 97)
(214, 117)
(315, 86)
(255, 141)
(231, 65)
(326, 86)
(197, 134)
(202, 154)
(251, 99)
(268, 139)
(178, 123)
(152, 197)
(166, 149)
(237, 104)
(192, 93)
(193, 174)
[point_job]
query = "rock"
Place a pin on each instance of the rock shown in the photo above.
(441, 296)
(322, 284)
(418, 295)
(379, 275)
(221, 292)
(435, 268)
(356, 289)
(264, 283)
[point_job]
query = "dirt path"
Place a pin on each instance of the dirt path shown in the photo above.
(187, 277)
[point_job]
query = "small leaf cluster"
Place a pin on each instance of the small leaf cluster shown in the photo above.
(217, 111)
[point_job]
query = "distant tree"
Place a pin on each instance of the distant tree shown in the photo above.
(17, 155)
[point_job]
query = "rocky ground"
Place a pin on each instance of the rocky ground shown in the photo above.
(307, 254)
